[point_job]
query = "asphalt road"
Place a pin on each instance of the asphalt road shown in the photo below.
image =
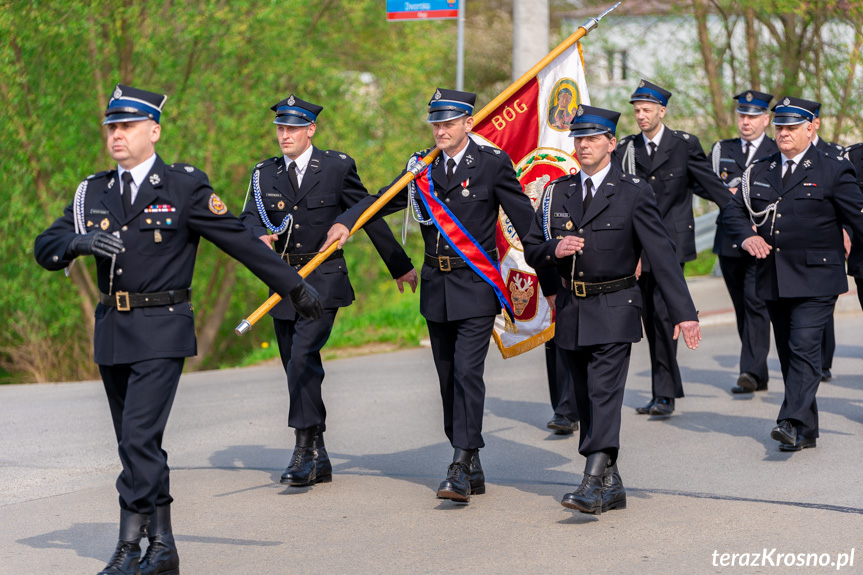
(704, 482)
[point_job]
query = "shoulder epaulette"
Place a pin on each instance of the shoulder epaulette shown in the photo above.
(682, 135)
(853, 147)
(184, 169)
(563, 178)
(267, 162)
(336, 154)
(625, 140)
(98, 175)
(632, 179)
(489, 149)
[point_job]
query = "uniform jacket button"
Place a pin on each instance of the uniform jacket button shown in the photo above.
(296, 207)
(296, 226)
(581, 230)
(299, 245)
(581, 274)
(120, 271)
(125, 228)
(581, 252)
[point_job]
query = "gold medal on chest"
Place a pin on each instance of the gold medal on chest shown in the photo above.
(281, 205)
(568, 225)
(105, 224)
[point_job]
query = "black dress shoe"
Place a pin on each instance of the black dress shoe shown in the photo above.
(800, 444)
(826, 375)
(785, 432)
(562, 425)
(644, 410)
(613, 494)
(748, 383)
(663, 406)
(456, 486)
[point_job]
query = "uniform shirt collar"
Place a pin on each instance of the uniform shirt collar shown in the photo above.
(596, 179)
(756, 143)
(797, 159)
(457, 157)
(140, 171)
(302, 162)
(657, 138)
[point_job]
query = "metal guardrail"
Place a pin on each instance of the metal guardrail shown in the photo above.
(705, 230)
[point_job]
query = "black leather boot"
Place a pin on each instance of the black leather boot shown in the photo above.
(457, 485)
(302, 470)
(588, 497)
(322, 461)
(613, 494)
(477, 476)
(128, 551)
(161, 557)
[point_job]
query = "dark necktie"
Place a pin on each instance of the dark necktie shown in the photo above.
(588, 196)
(292, 175)
(450, 169)
(789, 167)
(127, 193)
(652, 151)
(746, 147)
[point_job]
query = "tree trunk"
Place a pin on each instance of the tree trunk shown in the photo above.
(711, 68)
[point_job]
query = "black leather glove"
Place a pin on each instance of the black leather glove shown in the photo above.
(306, 301)
(99, 243)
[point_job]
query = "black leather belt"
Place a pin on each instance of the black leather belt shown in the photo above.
(303, 259)
(583, 289)
(124, 301)
(447, 263)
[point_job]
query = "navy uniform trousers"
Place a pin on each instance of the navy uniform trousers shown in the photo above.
(560, 384)
(458, 305)
(330, 186)
(805, 271)
(738, 267)
(141, 352)
(597, 330)
(677, 169)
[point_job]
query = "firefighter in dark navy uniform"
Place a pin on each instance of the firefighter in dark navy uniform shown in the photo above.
(730, 158)
(592, 227)
(828, 346)
(142, 221)
(798, 200)
(854, 249)
(294, 200)
(459, 303)
(674, 165)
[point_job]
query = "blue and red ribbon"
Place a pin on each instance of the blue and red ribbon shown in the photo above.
(464, 244)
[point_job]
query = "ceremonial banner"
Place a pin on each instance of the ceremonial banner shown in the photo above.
(532, 126)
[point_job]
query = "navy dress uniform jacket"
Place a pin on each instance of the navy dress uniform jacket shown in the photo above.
(491, 184)
(855, 258)
(622, 220)
(330, 186)
(678, 165)
(160, 250)
(807, 259)
(732, 164)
